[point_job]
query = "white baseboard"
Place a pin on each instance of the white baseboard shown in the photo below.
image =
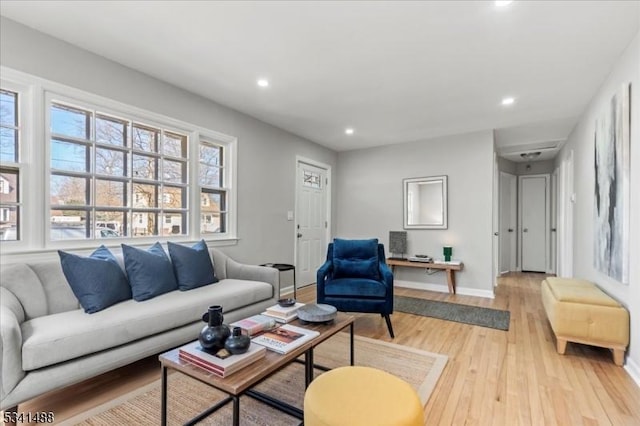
(443, 288)
(633, 369)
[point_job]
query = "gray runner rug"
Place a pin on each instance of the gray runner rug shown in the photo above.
(474, 315)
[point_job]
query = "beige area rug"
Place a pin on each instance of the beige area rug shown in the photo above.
(188, 397)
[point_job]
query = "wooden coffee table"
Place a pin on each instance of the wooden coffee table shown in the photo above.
(242, 382)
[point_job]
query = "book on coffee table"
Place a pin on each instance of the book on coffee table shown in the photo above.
(281, 320)
(222, 367)
(284, 338)
(254, 325)
(278, 311)
(283, 314)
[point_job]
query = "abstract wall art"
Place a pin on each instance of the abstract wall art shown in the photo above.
(611, 196)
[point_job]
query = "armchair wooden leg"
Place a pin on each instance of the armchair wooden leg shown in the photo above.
(389, 326)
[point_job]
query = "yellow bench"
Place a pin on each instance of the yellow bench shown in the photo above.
(580, 312)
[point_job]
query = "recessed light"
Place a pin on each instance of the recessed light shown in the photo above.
(503, 3)
(508, 101)
(263, 82)
(349, 131)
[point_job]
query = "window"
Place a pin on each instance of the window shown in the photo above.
(111, 170)
(10, 136)
(213, 195)
(100, 161)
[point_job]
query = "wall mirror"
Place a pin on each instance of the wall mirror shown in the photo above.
(425, 203)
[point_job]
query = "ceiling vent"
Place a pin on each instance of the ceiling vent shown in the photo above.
(530, 155)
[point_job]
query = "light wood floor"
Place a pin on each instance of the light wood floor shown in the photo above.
(492, 377)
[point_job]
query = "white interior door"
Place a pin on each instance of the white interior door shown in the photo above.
(534, 209)
(311, 221)
(554, 221)
(508, 209)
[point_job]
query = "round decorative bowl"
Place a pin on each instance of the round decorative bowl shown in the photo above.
(317, 313)
(285, 303)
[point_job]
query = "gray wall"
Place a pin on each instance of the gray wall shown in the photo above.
(370, 201)
(535, 167)
(626, 70)
(266, 158)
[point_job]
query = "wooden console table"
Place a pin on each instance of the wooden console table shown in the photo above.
(448, 267)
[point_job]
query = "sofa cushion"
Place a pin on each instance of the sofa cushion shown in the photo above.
(192, 265)
(68, 335)
(150, 271)
(355, 258)
(97, 281)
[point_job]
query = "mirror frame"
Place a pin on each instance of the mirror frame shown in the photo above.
(405, 206)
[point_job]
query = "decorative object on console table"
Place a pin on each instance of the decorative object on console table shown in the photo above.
(194, 354)
(398, 243)
(237, 343)
(447, 251)
(214, 334)
(285, 338)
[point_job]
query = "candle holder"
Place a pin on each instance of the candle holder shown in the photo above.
(447, 253)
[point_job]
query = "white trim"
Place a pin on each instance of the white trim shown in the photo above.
(30, 256)
(443, 288)
(633, 369)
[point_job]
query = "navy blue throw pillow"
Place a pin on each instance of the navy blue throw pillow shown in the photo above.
(150, 271)
(355, 258)
(192, 265)
(97, 281)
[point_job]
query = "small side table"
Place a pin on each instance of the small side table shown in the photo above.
(284, 267)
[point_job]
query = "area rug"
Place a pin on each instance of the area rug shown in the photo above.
(474, 315)
(188, 397)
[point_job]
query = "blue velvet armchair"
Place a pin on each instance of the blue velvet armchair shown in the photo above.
(355, 278)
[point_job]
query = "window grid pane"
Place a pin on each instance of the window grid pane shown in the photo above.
(10, 196)
(127, 188)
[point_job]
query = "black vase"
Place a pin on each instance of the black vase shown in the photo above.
(215, 333)
(237, 343)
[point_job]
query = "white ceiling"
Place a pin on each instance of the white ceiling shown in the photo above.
(394, 71)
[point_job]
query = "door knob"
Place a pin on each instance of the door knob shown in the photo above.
(510, 230)
(525, 230)
(553, 229)
(496, 234)
(299, 235)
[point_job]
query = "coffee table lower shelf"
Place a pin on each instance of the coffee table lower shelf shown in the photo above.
(242, 382)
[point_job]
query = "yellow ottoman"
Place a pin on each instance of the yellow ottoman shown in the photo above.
(580, 312)
(361, 396)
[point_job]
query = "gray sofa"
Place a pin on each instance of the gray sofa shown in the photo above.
(49, 342)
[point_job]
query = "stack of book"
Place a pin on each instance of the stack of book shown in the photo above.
(221, 367)
(282, 314)
(284, 338)
(254, 325)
